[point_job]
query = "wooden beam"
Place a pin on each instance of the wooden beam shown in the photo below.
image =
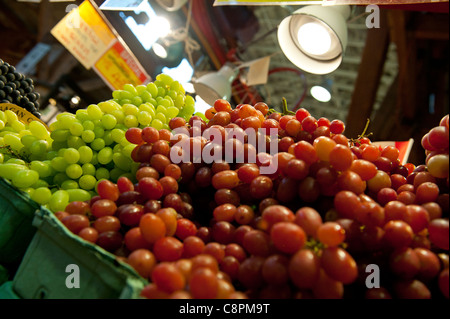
(369, 74)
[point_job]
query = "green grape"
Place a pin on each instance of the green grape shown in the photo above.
(165, 102)
(38, 129)
(137, 100)
(129, 176)
(60, 135)
(169, 99)
(141, 89)
(25, 178)
(27, 140)
(108, 106)
(105, 155)
(8, 170)
(75, 142)
(153, 101)
(156, 123)
(82, 115)
(161, 117)
(24, 132)
(109, 121)
(41, 195)
(2, 116)
(18, 126)
(166, 126)
(159, 99)
(87, 182)
(130, 109)
(94, 159)
(88, 169)
(59, 164)
(97, 144)
(71, 155)
(172, 112)
(59, 145)
(124, 142)
(2, 125)
(119, 115)
(161, 91)
(88, 125)
(172, 94)
(117, 94)
(118, 148)
(59, 200)
(116, 173)
(59, 178)
(42, 168)
(10, 116)
(88, 136)
(40, 183)
(18, 161)
(146, 96)
(108, 138)
(130, 88)
(61, 151)
(99, 131)
(117, 135)
(66, 119)
(2, 158)
(161, 109)
(125, 101)
(152, 89)
(76, 129)
(85, 153)
(144, 118)
(69, 184)
(51, 154)
(80, 195)
(28, 190)
(101, 173)
(164, 78)
(13, 141)
(74, 171)
(121, 161)
(127, 150)
(130, 121)
(94, 112)
(176, 86)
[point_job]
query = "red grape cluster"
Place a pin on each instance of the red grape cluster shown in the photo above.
(330, 209)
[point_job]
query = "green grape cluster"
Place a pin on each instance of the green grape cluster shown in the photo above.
(65, 163)
(154, 104)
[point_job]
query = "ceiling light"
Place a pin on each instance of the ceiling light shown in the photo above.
(216, 85)
(171, 5)
(322, 92)
(314, 37)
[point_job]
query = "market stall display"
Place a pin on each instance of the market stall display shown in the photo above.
(239, 202)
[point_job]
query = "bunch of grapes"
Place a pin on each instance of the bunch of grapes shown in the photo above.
(436, 143)
(18, 89)
(303, 221)
(79, 150)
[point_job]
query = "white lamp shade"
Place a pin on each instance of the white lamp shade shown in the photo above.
(215, 85)
(330, 19)
(171, 5)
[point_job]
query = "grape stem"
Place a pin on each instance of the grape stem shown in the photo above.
(14, 154)
(363, 134)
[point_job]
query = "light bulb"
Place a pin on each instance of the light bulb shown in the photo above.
(320, 93)
(314, 38)
(159, 50)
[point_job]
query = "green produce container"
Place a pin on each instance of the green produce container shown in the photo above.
(45, 271)
(16, 230)
(7, 292)
(4, 274)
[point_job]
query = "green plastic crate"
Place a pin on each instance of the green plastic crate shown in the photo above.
(7, 291)
(42, 273)
(17, 211)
